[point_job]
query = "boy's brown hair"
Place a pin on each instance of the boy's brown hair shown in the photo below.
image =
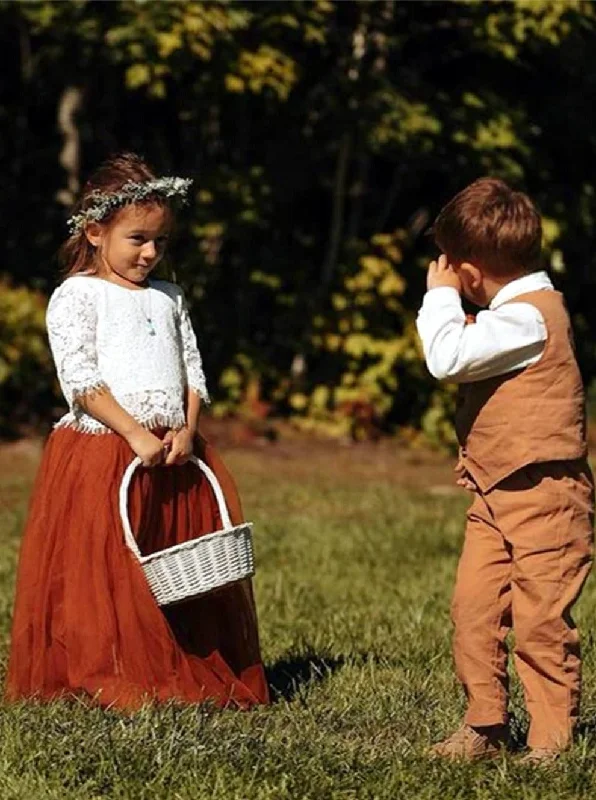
(492, 226)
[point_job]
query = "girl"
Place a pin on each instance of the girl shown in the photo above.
(85, 621)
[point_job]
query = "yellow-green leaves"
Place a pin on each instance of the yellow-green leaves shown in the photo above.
(264, 68)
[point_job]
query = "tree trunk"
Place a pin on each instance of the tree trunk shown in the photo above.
(70, 102)
(337, 210)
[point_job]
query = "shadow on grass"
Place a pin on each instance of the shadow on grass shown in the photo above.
(288, 678)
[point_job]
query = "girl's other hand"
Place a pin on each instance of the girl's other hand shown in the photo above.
(441, 273)
(147, 446)
(181, 445)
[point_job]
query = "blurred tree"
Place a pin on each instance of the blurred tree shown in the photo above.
(323, 137)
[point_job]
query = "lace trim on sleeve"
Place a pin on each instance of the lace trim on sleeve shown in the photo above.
(195, 377)
(72, 322)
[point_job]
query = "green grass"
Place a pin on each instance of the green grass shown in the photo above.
(353, 589)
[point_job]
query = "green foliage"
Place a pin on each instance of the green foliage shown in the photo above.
(361, 344)
(533, 22)
(26, 375)
(437, 419)
(323, 136)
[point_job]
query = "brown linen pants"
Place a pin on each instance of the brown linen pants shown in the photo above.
(527, 552)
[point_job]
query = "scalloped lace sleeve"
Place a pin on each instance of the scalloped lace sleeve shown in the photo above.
(72, 322)
(193, 363)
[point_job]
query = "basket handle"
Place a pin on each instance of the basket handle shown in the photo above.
(123, 498)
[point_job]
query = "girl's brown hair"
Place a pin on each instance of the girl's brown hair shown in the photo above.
(77, 254)
(491, 225)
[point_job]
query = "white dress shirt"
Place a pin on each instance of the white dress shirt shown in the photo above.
(140, 344)
(506, 337)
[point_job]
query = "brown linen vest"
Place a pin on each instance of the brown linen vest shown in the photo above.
(532, 415)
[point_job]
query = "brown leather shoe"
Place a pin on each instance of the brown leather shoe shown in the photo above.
(539, 757)
(473, 744)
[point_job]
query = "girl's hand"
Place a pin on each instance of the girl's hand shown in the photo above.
(180, 447)
(441, 273)
(147, 446)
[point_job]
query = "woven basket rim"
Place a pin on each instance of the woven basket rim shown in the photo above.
(192, 543)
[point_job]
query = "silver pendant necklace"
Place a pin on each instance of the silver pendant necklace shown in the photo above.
(147, 317)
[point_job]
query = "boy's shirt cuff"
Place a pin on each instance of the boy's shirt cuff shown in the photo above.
(440, 297)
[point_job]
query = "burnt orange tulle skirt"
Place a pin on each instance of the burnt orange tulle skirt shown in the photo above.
(85, 621)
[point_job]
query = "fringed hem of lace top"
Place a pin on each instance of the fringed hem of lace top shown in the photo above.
(86, 424)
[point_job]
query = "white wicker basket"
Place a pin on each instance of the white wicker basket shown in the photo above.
(200, 565)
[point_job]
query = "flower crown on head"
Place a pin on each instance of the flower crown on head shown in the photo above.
(100, 204)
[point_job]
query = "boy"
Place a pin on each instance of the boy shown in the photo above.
(521, 429)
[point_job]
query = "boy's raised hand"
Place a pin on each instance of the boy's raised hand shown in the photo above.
(441, 273)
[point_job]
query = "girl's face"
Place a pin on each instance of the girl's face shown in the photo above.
(132, 244)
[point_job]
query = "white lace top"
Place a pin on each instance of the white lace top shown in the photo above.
(138, 343)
